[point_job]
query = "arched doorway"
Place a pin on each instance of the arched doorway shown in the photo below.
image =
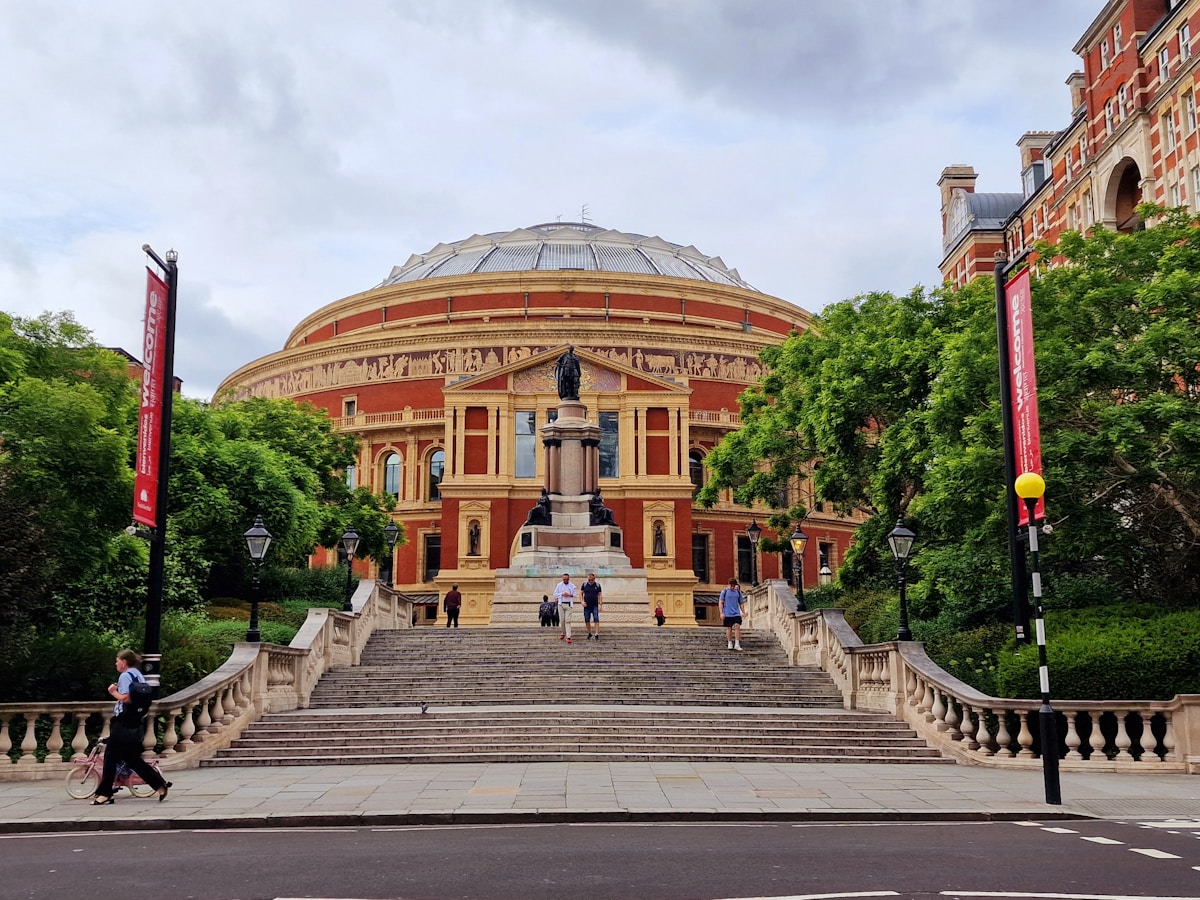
(1123, 196)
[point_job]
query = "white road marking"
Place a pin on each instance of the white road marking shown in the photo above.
(1021, 895)
(1155, 854)
(1102, 840)
(1061, 830)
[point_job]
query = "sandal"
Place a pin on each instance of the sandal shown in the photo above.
(103, 801)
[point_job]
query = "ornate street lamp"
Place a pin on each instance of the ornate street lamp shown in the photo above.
(900, 539)
(799, 541)
(755, 533)
(349, 545)
(1030, 487)
(390, 534)
(258, 539)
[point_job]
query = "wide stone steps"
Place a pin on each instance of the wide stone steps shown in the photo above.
(520, 695)
(527, 735)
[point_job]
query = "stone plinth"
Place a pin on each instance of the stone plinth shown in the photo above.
(519, 593)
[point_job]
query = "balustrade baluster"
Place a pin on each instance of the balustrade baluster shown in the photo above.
(910, 687)
(105, 723)
(1123, 741)
(1025, 738)
(952, 719)
(218, 712)
(1148, 741)
(938, 710)
(149, 738)
(170, 735)
(926, 705)
(187, 728)
(54, 743)
(1072, 739)
(1003, 738)
(1096, 739)
(229, 705)
(968, 729)
(79, 743)
(5, 737)
(29, 742)
(204, 720)
(1168, 740)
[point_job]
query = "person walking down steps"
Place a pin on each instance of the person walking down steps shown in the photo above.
(564, 596)
(732, 601)
(593, 600)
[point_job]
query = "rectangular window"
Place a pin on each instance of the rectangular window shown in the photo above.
(1116, 39)
(745, 560)
(1122, 102)
(1083, 150)
(1168, 132)
(700, 557)
(1108, 116)
(1185, 41)
(349, 408)
(1173, 194)
(1072, 217)
(433, 556)
(352, 476)
(1164, 65)
(610, 464)
(526, 450)
(1195, 187)
(1189, 111)
(1086, 210)
(1104, 54)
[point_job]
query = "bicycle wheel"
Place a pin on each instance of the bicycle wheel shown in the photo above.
(81, 782)
(139, 788)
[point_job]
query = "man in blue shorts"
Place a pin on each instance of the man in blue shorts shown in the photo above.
(732, 601)
(592, 601)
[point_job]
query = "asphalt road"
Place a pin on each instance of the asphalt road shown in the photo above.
(648, 862)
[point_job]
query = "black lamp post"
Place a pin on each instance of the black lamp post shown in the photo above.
(258, 539)
(799, 541)
(349, 545)
(1030, 487)
(390, 534)
(900, 539)
(754, 532)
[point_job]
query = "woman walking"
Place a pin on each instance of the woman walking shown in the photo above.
(125, 736)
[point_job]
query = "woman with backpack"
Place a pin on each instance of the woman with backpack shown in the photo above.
(125, 735)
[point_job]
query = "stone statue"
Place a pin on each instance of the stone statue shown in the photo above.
(598, 513)
(566, 375)
(473, 539)
(660, 540)
(540, 514)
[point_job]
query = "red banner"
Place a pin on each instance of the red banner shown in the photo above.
(154, 348)
(1026, 435)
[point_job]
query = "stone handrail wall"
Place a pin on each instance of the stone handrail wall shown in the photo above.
(899, 678)
(196, 722)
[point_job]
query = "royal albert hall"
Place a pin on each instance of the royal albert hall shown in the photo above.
(445, 371)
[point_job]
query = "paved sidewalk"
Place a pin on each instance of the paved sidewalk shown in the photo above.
(596, 792)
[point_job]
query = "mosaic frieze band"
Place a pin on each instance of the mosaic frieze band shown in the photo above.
(455, 361)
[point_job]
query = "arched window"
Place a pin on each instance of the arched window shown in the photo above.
(696, 470)
(352, 476)
(437, 468)
(391, 475)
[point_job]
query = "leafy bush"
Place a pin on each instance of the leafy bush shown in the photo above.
(63, 666)
(1110, 658)
(310, 587)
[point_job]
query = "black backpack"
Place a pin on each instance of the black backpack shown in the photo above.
(141, 695)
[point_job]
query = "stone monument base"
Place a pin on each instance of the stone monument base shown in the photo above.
(519, 592)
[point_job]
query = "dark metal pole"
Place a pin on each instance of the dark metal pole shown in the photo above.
(1047, 721)
(1016, 557)
(798, 558)
(905, 633)
(347, 606)
(152, 649)
(253, 634)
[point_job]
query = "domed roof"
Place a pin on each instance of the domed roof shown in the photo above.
(558, 246)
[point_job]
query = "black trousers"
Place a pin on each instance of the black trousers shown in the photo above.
(125, 746)
(452, 617)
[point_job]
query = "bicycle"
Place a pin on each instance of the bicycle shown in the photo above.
(81, 782)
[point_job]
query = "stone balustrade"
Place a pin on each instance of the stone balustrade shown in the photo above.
(899, 678)
(41, 739)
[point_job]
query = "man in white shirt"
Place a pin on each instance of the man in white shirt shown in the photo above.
(564, 596)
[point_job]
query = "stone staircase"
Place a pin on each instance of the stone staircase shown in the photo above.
(521, 695)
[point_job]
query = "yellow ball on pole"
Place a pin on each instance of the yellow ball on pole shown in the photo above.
(1029, 485)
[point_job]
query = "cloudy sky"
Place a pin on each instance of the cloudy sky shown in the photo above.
(293, 152)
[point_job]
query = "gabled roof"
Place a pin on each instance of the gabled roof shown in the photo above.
(546, 359)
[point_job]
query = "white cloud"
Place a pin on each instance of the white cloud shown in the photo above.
(294, 154)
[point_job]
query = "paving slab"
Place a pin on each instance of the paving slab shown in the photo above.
(589, 792)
